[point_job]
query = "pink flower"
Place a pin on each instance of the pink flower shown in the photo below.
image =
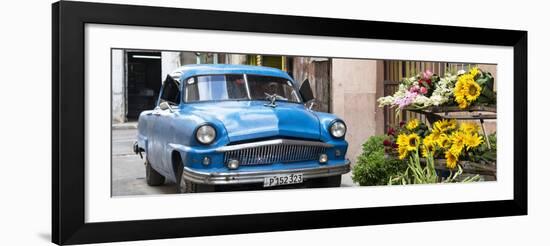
(427, 75)
(405, 101)
(387, 142)
(423, 90)
(414, 88)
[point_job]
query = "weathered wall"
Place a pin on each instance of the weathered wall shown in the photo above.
(118, 97)
(235, 59)
(317, 71)
(356, 84)
(169, 62)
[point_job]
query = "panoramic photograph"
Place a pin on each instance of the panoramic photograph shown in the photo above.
(195, 121)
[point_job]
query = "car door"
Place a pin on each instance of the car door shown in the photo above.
(163, 117)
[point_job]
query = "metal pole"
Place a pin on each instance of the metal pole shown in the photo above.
(485, 133)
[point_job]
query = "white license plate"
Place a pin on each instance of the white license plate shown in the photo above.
(284, 179)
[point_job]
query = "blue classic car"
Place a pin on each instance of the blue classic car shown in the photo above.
(217, 126)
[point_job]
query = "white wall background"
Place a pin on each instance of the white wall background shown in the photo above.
(25, 122)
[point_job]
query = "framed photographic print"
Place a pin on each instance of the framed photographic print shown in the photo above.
(175, 122)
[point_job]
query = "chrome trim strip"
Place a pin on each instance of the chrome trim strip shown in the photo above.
(272, 142)
(247, 88)
(225, 178)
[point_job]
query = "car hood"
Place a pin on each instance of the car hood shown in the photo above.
(245, 120)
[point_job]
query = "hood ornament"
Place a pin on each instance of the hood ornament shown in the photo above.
(272, 98)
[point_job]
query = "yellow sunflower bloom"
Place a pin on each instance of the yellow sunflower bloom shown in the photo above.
(429, 140)
(444, 141)
(459, 92)
(427, 151)
(462, 104)
(429, 144)
(444, 125)
(407, 143)
(466, 90)
(401, 139)
(474, 71)
(413, 141)
(457, 140)
(402, 142)
(469, 127)
(452, 159)
(456, 149)
(472, 141)
(402, 151)
(472, 90)
(413, 124)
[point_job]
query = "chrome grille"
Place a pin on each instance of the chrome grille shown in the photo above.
(274, 151)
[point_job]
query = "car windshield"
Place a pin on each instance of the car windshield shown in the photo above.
(236, 87)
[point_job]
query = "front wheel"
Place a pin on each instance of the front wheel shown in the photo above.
(152, 177)
(325, 182)
(186, 186)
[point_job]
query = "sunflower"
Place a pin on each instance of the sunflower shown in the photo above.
(456, 149)
(402, 141)
(429, 144)
(452, 159)
(474, 71)
(462, 103)
(413, 141)
(402, 151)
(413, 124)
(469, 128)
(443, 141)
(457, 140)
(472, 140)
(444, 125)
(472, 90)
(458, 90)
(429, 140)
(427, 151)
(407, 143)
(466, 90)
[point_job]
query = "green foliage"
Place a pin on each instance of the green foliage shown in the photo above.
(373, 167)
(486, 81)
(416, 173)
(482, 154)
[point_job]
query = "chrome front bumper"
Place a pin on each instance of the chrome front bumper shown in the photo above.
(227, 178)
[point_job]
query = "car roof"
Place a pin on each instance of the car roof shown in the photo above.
(184, 72)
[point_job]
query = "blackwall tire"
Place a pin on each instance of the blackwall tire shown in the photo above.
(152, 177)
(186, 186)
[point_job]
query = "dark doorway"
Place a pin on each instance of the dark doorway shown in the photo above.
(143, 82)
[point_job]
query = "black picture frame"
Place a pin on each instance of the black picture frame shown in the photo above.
(68, 23)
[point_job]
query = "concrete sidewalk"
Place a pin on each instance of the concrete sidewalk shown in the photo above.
(125, 125)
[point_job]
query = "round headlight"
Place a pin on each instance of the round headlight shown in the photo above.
(338, 129)
(206, 134)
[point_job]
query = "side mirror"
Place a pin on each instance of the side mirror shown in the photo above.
(165, 106)
(306, 92)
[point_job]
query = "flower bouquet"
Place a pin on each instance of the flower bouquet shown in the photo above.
(426, 89)
(446, 140)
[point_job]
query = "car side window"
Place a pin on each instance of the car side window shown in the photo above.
(170, 92)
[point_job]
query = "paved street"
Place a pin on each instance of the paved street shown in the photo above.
(128, 171)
